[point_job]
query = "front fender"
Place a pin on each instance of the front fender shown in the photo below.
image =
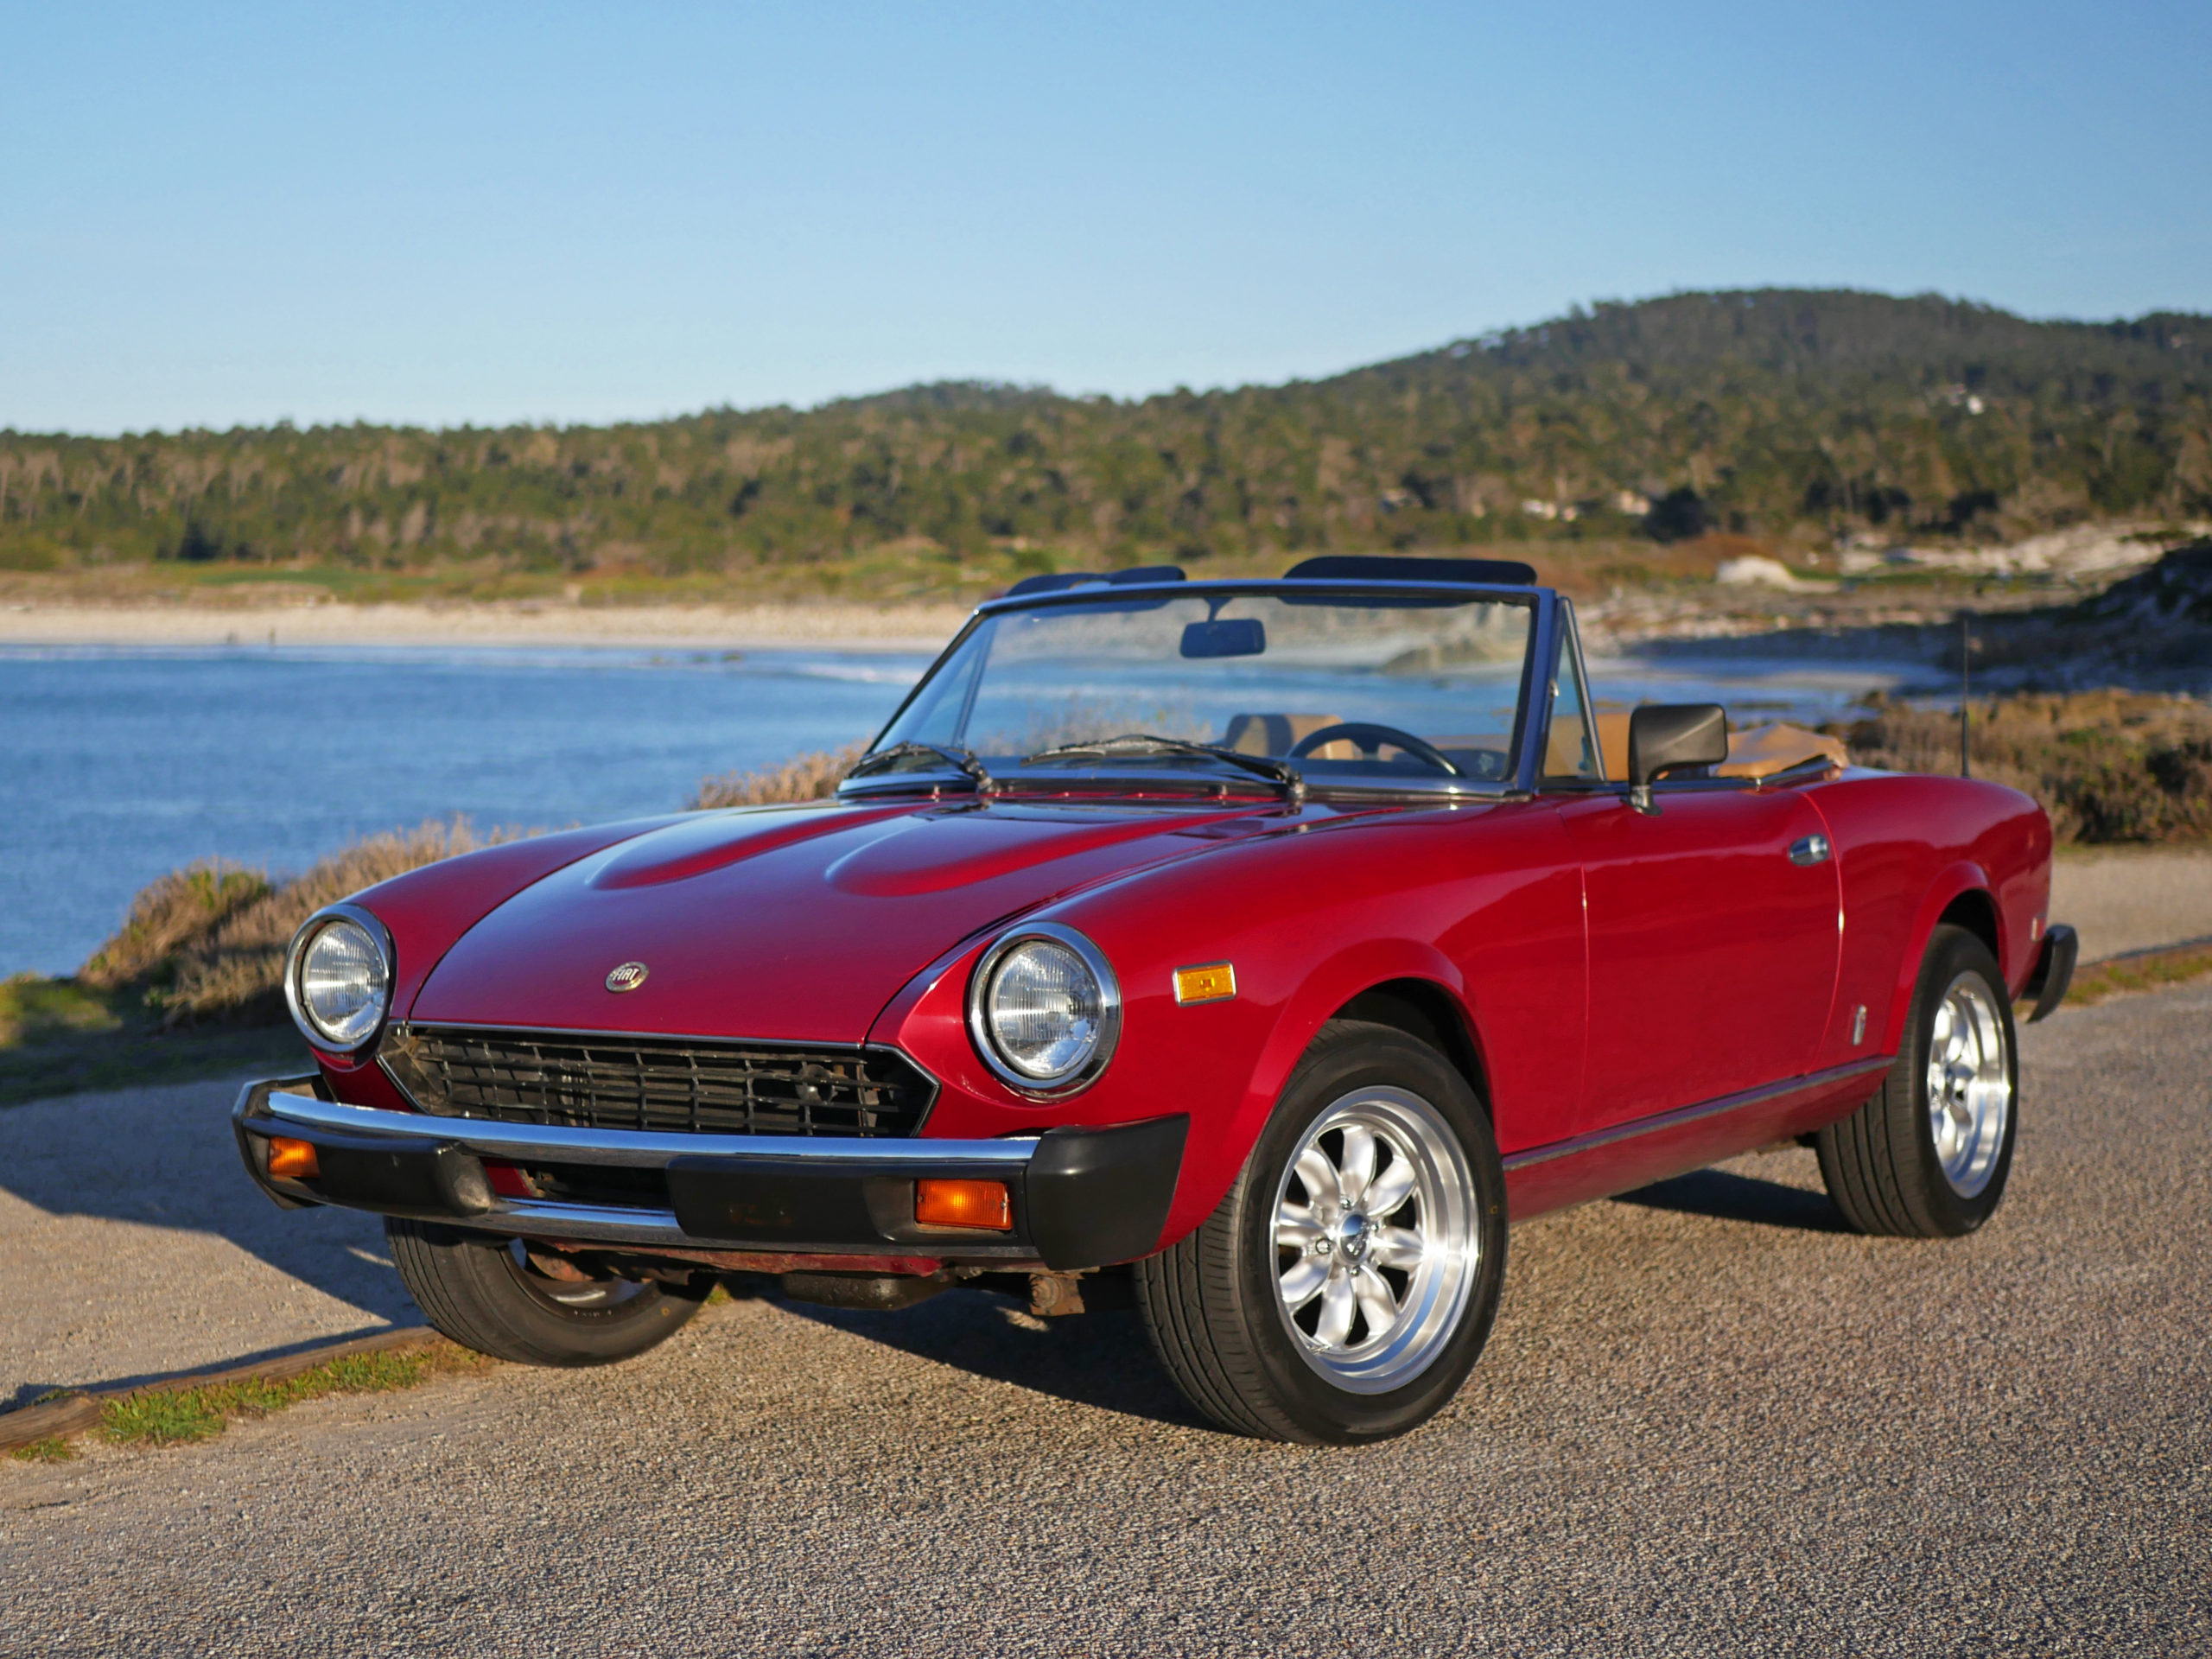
(1952, 882)
(1332, 984)
(1485, 907)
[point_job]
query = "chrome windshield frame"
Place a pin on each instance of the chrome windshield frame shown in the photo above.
(1538, 664)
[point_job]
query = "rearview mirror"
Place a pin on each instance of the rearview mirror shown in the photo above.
(1240, 636)
(1663, 736)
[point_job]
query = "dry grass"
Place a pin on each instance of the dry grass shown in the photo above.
(2108, 766)
(813, 776)
(167, 1417)
(2152, 970)
(182, 908)
(206, 943)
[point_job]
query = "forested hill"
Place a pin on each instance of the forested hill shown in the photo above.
(1789, 414)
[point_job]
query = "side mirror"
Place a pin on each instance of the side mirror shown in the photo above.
(1664, 736)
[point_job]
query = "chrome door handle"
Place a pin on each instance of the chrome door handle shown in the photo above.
(1809, 849)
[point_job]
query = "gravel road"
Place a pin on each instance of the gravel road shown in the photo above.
(2133, 898)
(1709, 1421)
(136, 1247)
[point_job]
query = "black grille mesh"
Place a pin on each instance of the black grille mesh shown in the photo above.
(640, 1083)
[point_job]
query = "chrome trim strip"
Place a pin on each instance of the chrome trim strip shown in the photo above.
(568, 1033)
(641, 1149)
(1607, 1137)
(1539, 668)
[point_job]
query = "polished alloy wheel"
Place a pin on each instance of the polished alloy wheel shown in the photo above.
(1969, 1084)
(1375, 1239)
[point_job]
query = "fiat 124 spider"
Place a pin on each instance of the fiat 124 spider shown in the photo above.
(1248, 950)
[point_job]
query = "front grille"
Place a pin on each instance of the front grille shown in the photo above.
(648, 1082)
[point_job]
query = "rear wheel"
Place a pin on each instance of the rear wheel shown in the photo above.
(1929, 1156)
(488, 1293)
(1342, 1289)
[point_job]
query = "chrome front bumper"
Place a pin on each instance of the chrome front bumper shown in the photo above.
(1080, 1197)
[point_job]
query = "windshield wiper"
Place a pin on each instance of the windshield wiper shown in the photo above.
(961, 760)
(1292, 782)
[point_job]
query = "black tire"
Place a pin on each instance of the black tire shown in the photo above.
(1881, 1164)
(482, 1291)
(1211, 1303)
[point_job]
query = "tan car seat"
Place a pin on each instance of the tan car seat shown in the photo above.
(1275, 734)
(1753, 750)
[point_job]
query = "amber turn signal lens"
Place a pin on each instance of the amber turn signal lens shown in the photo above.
(1214, 982)
(292, 1160)
(963, 1203)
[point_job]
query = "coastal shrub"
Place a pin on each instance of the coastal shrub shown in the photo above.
(183, 906)
(2107, 765)
(206, 943)
(234, 972)
(813, 776)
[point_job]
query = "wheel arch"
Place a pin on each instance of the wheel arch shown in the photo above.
(1961, 896)
(1975, 910)
(1405, 983)
(1429, 1012)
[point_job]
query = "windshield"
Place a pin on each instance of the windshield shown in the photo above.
(1371, 690)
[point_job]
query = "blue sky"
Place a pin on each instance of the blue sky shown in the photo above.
(582, 213)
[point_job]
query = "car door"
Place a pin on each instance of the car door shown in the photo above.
(1713, 932)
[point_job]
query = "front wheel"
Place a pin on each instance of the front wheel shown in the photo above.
(492, 1295)
(1929, 1156)
(1342, 1289)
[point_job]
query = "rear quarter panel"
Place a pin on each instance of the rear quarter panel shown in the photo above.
(1906, 847)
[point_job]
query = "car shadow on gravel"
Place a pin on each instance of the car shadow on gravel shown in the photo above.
(1102, 1360)
(156, 1172)
(1728, 1197)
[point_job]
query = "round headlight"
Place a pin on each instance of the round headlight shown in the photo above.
(1045, 1010)
(339, 982)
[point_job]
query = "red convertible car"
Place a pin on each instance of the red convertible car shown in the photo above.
(1247, 950)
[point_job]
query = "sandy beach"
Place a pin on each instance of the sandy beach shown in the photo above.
(816, 624)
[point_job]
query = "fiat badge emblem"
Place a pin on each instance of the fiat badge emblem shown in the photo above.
(627, 977)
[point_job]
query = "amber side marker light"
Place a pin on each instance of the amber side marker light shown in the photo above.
(1214, 982)
(292, 1160)
(963, 1203)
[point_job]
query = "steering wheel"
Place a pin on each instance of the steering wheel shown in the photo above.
(1372, 739)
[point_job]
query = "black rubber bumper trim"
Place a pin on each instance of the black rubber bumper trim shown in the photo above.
(361, 1171)
(253, 1149)
(1086, 1197)
(2053, 970)
(1097, 1196)
(1083, 1198)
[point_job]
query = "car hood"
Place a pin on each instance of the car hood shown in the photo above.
(792, 925)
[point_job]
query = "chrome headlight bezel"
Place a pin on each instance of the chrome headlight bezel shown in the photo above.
(295, 962)
(1085, 1071)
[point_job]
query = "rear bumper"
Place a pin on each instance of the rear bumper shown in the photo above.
(1080, 1197)
(2046, 987)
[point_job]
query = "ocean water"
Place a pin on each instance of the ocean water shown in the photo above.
(118, 765)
